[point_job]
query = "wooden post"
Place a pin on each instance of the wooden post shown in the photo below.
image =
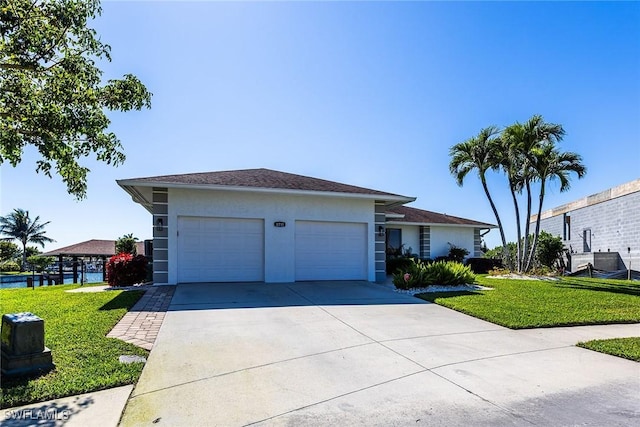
(60, 270)
(75, 269)
(104, 268)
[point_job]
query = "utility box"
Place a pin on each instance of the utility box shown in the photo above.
(23, 349)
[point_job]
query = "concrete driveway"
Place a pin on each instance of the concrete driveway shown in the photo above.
(356, 353)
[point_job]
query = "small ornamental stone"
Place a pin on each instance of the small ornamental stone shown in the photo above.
(132, 359)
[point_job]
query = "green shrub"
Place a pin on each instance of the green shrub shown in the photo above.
(125, 269)
(412, 276)
(508, 261)
(393, 264)
(449, 273)
(483, 265)
(40, 263)
(9, 265)
(421, 274)
(456, 253)
(549, 250)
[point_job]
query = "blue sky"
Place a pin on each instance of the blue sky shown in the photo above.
(369, 94)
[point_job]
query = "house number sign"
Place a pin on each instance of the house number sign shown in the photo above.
(279, 224)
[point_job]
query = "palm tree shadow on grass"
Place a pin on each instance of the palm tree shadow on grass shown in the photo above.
(589, 285)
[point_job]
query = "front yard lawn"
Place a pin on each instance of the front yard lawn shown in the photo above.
(519, 304)
(629, 348)
(76, 325)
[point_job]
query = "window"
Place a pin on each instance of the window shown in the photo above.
(586, 240)
(394, 241)
(566, 230)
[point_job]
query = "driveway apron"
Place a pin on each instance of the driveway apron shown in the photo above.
(357, 353)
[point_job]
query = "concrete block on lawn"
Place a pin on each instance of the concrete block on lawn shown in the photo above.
(23, 349)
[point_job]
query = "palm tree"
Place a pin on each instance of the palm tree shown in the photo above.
(551, 164)
(17, 225)
(521, 142)
(477, 153)
(526, 153)
(508, 158)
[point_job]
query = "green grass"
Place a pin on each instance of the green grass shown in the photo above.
(76, 325)
(629, 348)
(521, 304)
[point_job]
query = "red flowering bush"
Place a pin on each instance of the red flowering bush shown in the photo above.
(125, 269)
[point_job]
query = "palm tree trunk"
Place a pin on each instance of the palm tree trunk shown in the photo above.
(24, 256)
(537, 230)
(495, 213)
(525, 249)
(518, 228)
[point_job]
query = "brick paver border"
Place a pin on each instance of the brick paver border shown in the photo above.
(140, 326)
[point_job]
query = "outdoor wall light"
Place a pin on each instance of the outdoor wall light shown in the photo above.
(159, 224)
(380, 230)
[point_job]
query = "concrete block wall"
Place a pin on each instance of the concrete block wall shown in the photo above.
(614, 226)
(607, 261)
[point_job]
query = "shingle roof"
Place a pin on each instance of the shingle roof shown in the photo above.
(419, 216)
(259, 178)
(92, 247)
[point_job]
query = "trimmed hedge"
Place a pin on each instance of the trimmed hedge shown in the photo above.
(483, 265)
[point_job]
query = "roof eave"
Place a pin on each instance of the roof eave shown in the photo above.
(136, 195)
(480, 226)
(131, 187)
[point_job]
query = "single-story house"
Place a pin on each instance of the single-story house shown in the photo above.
(271, 226)
(431, 234)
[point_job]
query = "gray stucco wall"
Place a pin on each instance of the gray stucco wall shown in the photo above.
(380, 247)
(160, 233)
(614, 226)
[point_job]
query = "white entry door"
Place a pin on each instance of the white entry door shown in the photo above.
(330, 250)
(220, 249)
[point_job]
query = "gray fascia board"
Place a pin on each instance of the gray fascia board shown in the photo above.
(440, 224)
(392, 200)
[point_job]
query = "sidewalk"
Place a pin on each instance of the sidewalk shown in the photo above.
(96, 409)
(140, 326)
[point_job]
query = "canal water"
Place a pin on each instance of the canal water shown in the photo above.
(21, 281)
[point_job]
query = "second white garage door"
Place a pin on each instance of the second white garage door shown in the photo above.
(220, 249)
(330, 250)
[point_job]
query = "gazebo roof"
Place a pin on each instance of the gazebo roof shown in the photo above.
(92, 247)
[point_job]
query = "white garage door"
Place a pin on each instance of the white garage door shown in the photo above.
(331, 250)
(220, 250)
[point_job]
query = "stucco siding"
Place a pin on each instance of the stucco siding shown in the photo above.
(458, 236)
(279, 241)
(410, 237)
